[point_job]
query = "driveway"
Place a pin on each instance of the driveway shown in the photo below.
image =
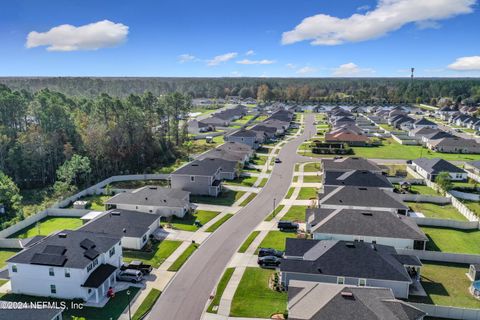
(186, 295)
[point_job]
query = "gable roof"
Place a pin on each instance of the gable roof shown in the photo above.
(362, 197)
(205, 167)
(342, 258)
(347, 136)
(243, 133)
(454, 141)
(30, 313)
(436, 165)
(235, 147)
(349, 163)
(359, 178)
(151, 196)
(424, 122)
(325, 301)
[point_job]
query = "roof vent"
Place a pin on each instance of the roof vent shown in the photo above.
(115, 213)
(374, 247)
(319, 270)
(152, 188)
(194, 165)
(364, 189)
(146, 198)
(347, 294)
(124, 230)
(62, 235)
(369, 214)
(350, 245)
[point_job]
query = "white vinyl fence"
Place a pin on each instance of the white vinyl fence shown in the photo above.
(448, 312)
(446, 223)
(442, 256)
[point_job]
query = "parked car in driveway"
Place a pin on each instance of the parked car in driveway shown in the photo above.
(137, 265)
(263, 252)
(287, 225)
(269, 261)
(130, 275)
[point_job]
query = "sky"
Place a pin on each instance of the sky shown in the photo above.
(248, 38)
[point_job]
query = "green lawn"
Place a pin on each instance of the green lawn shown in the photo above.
(276, 240)
(6, 254)
(220, 221)
(472, 205)
(254, 298)
(453, 240)
(446, 284)
(47, 226)
(312, 179)
(147, 304)
(226, 198)
(312, 167)
(274, 213)
(161, 250)
(307, 193)
(263, 182)
(135, 184)
(248, 199)
(242, 181)
(177, 264)
(431, 210)
(259, 160)
(393, 150)
(96, 202)
(248, 241)
(187, 223)
(425, 190)
(222, 284)
(296, 213)
(289, 193)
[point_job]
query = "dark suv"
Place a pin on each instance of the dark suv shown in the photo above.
(263, 252)
(287, 225)
(269, 261)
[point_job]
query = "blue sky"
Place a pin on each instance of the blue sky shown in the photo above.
(249, 38)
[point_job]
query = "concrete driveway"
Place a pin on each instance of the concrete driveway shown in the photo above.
(186, 295)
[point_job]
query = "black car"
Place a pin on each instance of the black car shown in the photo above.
(137, 265)
(287, 225)
(264, 252)
(277, 160)
(269, 261)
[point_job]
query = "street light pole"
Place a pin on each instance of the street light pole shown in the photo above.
(129, 313)
(274, 200)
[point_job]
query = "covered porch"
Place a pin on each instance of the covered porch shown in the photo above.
(98, 283)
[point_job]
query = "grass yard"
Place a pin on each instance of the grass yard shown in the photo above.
(446, 284)
(248, 241)
(47, 226)
(220, 221)
(453, 240)
(254, 298)
(95, 202)
(161, 250)
(222, 284)
(276, 240)
(432, 210)
(307, 193)
(177, 264)
(312, 167)
(187, 223)
(248, 199)
(312, 179)
(135, 184)
(289, 193)
(6, 254)
(472, 205)
(263, 182)
(242, 181)
(147, 304)
(226, 198)
(274, 213)
(296, 213)
(425, 190)
(393, 150)
(259, 160)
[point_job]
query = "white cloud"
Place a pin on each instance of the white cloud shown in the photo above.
(306, 70)
(351, 70)
(247, 61)
(363, 8)
(221, 58)
(388, 16)
(291, 66)
(250, 53)
(91, 36)
(466, 64)
(185, 58)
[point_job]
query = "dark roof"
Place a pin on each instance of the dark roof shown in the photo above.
(235, 147)
(222, 154)
(243, 133)
(425, 122)
(437, 165)
(99, 275)
(364, 223)
(342, 258)
(454, 141)
(321, 301)
(475, 164)
(349, 163)
(212, 121)
(151, 196)
(74, 256)
(205, 167)
(438, 134)
(359, 178)
(29, 313)
(362, 197)
(122, 223)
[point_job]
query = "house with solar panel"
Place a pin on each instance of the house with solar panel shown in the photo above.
(70, 264)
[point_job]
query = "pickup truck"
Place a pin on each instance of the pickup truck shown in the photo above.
(137, 265)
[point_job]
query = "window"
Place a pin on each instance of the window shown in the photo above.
(67, 273)
(51, 272)
(192, 178)
(14, 268)
(111, 252)
(53, 289)
(362, 282)
(340, 280)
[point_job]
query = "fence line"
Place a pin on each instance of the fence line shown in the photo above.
(446, 223)
(442, 256)
(448, 312)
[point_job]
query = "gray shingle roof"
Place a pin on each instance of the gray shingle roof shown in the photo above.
(205, 167)
(152, 196)
(424, 122)
(350, 163)
(321, 301)
(122, 223)
(341, 258)
(243, 133)
(29, 313)
(437, 165)
(74, 254)
(359, 178)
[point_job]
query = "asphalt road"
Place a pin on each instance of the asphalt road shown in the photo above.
(186, 295)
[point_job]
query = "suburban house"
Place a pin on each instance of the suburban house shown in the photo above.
(343, 121)
(247, 137)
(268, 131)
(424, 123)
(347, 136)
(401, 122)
(45, 313)
(325, 301)
(70, 264)
(446, 111)
(349, 263)
(361, 198)
(430, 168)
(422, 131)
(134, 228)
(356, 178)
(199, 177)
(280, 125)
(435, 135)
(215, 122)
(195, 126)
(454, 145)
(231, 151)
(351, 163)
(377, 227)
(473, 166)
(164, 202)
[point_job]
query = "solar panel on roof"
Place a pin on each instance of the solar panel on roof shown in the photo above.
(48, 259)
(91, 254)
(52, 249)
(87, 244)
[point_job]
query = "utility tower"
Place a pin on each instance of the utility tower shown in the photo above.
(412, 70)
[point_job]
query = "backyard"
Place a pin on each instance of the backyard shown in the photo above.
(95, 202)
(276, 240)
(453, 240)
(187, 223)
(254, 298)
(161, 250)
(47, 226)
(6, 254)
(431, 210)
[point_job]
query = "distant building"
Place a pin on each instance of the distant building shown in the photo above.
(430, 168)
